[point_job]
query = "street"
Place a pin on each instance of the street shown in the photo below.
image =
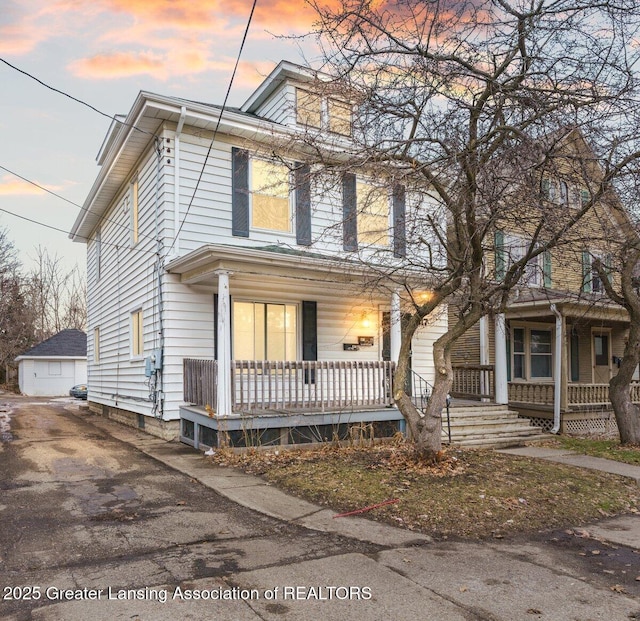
(94, 528)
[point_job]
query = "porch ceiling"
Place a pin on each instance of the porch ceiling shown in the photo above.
(571, 308)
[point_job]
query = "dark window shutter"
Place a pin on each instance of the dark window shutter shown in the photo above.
(575, 356)
(239, 192)
(586, 272)
(309, 337)
(349, 213)
(303, 204)
(499, 253)
(546, 268)
(399, 222)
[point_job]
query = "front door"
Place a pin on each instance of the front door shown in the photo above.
(601, 358)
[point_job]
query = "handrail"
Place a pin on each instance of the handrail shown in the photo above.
(420, 391)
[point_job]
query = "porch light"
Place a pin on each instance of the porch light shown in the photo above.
(424, 296)
(365, 321)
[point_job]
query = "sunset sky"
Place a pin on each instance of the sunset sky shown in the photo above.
(104, 52)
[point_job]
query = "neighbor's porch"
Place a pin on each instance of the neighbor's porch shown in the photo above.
(550, 361)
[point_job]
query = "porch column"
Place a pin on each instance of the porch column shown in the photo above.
(223, 401)
(502, 387)
(484, 356)
(395, 329)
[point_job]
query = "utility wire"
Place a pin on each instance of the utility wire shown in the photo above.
(55, 228)
(80, 101)
(215, 131)
(102, 218)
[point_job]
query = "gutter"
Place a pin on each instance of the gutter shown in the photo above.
(557, 370)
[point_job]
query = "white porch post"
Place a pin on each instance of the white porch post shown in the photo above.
(484, 354)
(223, 337)
(395, 329)
(502, 388)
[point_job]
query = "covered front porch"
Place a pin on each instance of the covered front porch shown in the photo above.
(297, 343)
(551, 359)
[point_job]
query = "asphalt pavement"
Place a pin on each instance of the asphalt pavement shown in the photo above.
(361, 570)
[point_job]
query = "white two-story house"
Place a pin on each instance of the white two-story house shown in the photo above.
(232, 285)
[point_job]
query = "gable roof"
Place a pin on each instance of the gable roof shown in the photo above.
(68, 343)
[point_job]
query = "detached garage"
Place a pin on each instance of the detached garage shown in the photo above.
(52, 367)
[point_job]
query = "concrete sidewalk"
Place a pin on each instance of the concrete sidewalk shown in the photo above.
(408, 578)
(571, 458)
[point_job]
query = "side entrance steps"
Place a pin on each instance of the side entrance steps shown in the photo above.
(488, 425)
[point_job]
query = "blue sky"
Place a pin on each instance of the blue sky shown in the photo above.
(104, 52)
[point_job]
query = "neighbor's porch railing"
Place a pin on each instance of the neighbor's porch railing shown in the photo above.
(295, 385)
(578, 395)
(473, 382)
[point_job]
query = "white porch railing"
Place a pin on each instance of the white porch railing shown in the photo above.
(292, 385)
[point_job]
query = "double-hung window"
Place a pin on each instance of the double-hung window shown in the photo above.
(516, 248)
(270, 196)
(373, 215)
(531, 353)
(137, 334)
(265, 331)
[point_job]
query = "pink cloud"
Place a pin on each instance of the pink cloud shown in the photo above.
(11, 186)
(119, 65)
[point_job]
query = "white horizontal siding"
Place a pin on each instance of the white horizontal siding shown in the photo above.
(189, 322)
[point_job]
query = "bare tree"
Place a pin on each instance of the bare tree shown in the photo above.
(468, 105)
(16, 319)
(56, 294)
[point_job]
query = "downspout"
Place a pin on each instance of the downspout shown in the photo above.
(557, 370)
(176, 182)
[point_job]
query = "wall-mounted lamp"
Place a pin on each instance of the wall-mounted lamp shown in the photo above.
(364, 320)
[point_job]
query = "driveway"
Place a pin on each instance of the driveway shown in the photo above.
(93, 528)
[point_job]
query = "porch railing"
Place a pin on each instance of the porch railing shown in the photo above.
(473, 382)
(578, 395)
(292, 385)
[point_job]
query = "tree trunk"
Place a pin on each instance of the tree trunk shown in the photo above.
(626, 412)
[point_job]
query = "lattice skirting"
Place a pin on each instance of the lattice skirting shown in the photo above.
(603, 425)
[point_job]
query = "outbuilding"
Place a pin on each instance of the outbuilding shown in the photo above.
(52, 367)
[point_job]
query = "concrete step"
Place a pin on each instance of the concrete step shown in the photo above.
(500, 442)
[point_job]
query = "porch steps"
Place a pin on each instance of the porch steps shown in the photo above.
(489, 425)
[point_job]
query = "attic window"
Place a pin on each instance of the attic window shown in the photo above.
(339, 117)
(308, 109)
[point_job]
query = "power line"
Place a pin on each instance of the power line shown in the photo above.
(80, 101)
(215, 131)
(55, 228)
(102, 217)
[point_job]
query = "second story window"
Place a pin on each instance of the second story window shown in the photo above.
(270, 196)
(135, 223)
(373, 215)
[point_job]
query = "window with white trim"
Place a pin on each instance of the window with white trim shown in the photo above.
(265, 331)
(96, 345)
(271, 204)
(531, 353)
(137, 334)
(373, 214)
(134, 210)
(515, 248)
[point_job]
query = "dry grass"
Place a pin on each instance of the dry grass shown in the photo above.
(469, 494)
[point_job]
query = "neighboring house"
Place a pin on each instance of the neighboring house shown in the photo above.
(52, 367)
(551, 355)
(244, 306)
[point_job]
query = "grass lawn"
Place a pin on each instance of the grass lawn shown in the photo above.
(609, 449)
(473, 494)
